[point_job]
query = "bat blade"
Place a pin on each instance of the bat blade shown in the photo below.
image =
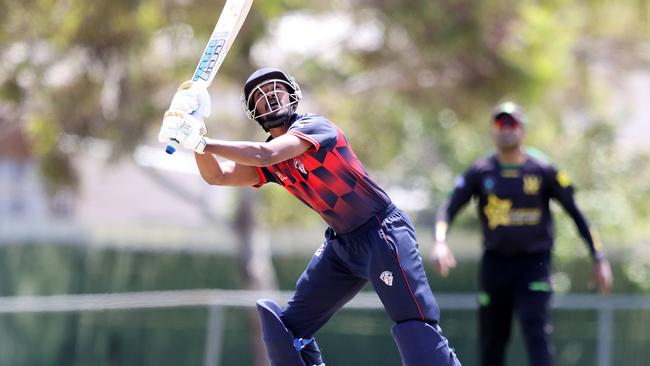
(230, 22)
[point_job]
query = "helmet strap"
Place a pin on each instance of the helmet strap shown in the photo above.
(269, 123)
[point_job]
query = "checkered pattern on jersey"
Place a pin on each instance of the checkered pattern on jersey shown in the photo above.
(333, 182)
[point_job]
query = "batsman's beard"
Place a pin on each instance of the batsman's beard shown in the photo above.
(276, 119)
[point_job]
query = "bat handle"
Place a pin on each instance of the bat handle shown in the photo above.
(171, 147)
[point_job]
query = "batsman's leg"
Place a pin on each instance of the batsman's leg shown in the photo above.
(422, 344)
(322, 289)
(398, 276)
(282, 347)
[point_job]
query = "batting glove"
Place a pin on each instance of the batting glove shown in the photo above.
(185, 129)
(183, 122)
(189, 100)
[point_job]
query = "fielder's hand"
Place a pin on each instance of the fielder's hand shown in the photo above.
(602, 276)
(443, 258)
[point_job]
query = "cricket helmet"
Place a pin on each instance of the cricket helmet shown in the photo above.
(510, 109)
(278, 114)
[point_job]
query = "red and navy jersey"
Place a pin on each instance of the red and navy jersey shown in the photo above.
(328, 177)
(513, 204)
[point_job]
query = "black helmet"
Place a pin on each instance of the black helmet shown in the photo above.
(511, 109)
(255, 81)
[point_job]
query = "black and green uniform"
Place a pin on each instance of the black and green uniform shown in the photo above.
(518, 233)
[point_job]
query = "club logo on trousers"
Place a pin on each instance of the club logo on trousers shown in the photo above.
(387, 277)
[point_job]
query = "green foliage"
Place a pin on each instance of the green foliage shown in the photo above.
(415, 108)
(44, 132)
(416, 104)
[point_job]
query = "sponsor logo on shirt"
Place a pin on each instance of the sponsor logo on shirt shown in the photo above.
(281, 176)
(499, 212)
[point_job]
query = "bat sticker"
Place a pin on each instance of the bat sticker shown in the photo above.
(209, 59)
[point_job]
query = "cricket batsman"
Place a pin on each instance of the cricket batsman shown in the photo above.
(367, 239)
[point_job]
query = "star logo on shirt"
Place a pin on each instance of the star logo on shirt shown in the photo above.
(497, 211)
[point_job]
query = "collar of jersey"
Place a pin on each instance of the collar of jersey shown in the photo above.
(294, 117)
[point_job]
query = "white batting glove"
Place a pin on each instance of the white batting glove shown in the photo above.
(183, 122)
(185, 129)
(189, 100)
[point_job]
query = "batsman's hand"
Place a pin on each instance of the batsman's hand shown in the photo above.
(443, 258)
(187, 130)
(183, 122)
(191, 100)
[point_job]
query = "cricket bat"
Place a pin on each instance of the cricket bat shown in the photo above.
(230, 22)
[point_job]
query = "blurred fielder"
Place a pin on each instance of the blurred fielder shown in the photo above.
(513, 188)
(368, 238)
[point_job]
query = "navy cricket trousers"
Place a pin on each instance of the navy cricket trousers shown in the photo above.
(384, 251)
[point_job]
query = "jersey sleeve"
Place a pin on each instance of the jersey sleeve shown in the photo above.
(562, 190)
(464, 188)
(317, 130)
(265, 176)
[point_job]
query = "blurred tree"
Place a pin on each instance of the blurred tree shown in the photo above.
(427, 84)
(107, 70)
(423, 94)
(412, 84)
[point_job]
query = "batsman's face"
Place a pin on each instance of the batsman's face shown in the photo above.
(271, 99)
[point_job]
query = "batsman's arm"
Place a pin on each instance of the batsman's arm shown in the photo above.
(243, 157)
(225, 173)
(259, 154)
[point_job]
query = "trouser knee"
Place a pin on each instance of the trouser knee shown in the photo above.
(282, 347)
(422, 344)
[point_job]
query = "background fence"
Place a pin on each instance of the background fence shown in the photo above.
(217, 300)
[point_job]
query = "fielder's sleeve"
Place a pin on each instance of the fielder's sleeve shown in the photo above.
(316, 130)
(562, 190)
(464, 188)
